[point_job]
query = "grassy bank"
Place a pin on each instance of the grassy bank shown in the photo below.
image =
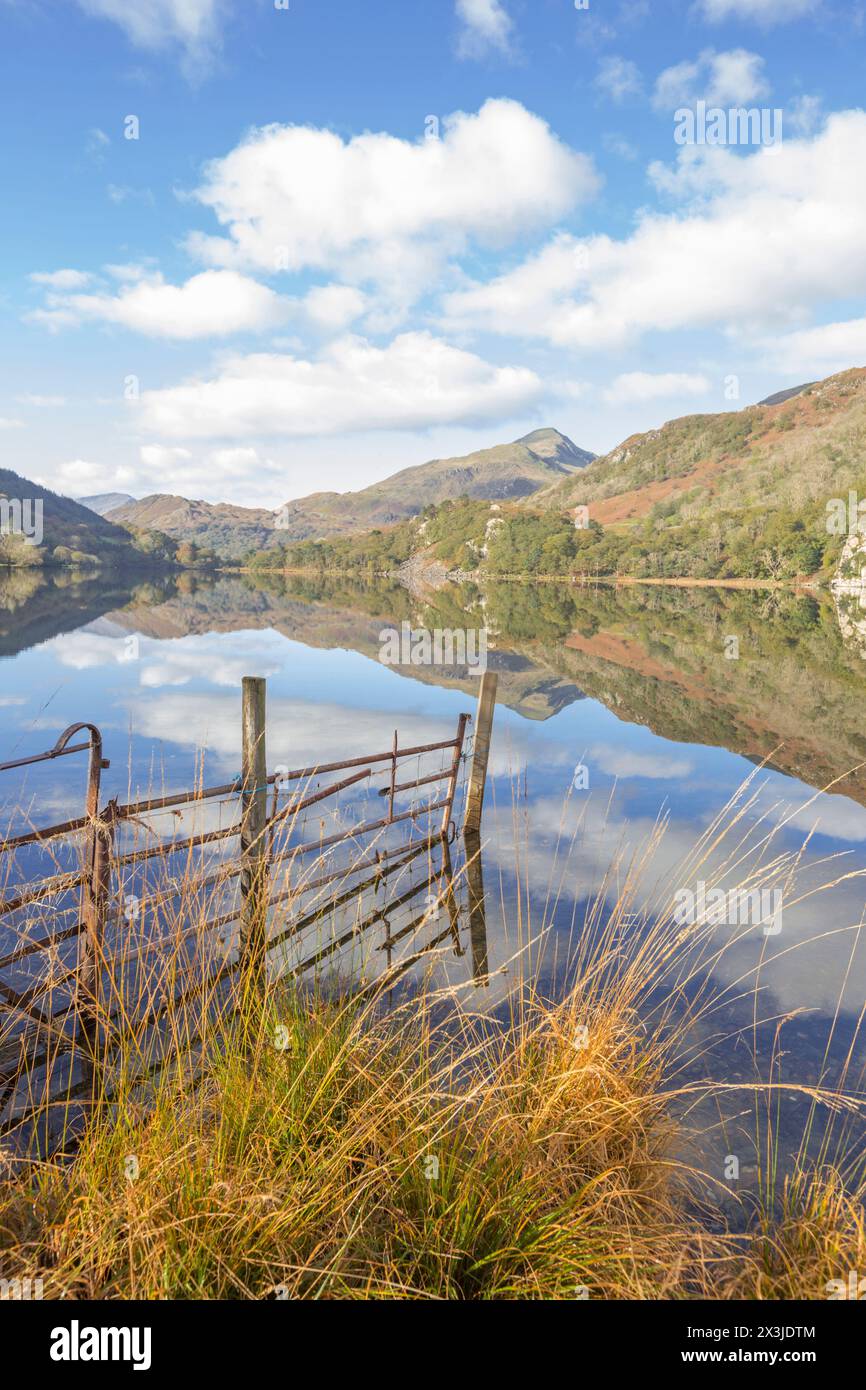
(356, 1159)
(299, 1144)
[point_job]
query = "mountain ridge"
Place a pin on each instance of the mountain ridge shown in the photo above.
(761, 493)
(501, 472)
(72, 535)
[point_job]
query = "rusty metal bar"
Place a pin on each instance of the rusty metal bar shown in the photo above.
(21, 999)
(61, 748)
(387, 980)
(60, 884)
(313, 916)
(136, 856)
(439, 776)
(356, 930)
(43, 944)
(137, 808)
(94, 911)
(162, 803)
(320, 768)
(178, 886)
(48, 832)
(365, 828)
(393, 939)
(43, 757)
(349, 870)
(321, 795)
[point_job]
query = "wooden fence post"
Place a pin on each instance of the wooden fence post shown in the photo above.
(95, 895)
(454, 775)
(254, 859)
(477, 913)
(481, 750)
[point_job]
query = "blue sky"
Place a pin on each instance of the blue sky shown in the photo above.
(347, 238)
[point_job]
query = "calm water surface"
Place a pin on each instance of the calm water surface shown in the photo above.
(636, 688)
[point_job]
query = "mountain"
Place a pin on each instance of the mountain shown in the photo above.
(789, 451)
(506, 471)
(759, 493)
(71, 534)
(739, 494)
(230, 531)
(779, 397)
(105, 501)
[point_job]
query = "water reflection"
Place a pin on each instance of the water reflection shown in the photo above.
(635, 685)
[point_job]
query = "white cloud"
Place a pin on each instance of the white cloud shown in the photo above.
(7, 424)
(760, 241)
(764, 11)
(43, 402)
(732, 78)
(83, 477)
(129, 271)
(821, 351)
(805, 114)
(618, 78)
(174, 469)
(618, 145)
(208, 718)
(629, 762)
(652, 386)
(213, 303)
(416, 381)
(388, 211)
(334, 307)
(192, 25)
(62, 279)
(485, 26)
(162, 456)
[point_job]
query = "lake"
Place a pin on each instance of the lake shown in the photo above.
(625, 717)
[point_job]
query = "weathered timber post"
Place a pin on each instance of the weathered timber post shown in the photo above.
(254, 858)
(95, 894)
(481, 750)
(477, 914)
(454, 774)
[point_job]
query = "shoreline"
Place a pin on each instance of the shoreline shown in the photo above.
(584, 580)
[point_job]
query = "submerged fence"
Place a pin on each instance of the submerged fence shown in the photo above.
(246, 885)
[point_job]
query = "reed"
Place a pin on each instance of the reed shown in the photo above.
(274, 1138)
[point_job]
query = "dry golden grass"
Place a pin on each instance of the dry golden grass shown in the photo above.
(270, 1141)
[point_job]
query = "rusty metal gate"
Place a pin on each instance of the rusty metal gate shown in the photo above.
(101, 921)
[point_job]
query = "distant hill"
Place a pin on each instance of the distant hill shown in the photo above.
(228, 530)
(738, 495)
(73, 535)
(779, 397)
(105, 501)
(799, 446)
(506, 471)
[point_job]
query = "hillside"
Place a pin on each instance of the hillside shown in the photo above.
(781, 455)
(72, 535)
(230, 531)
(742, 494)
(104, 502)
(506, 471)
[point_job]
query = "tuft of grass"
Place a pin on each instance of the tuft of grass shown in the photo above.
(807, 1245)
(342, 1152)
(269, 1140)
